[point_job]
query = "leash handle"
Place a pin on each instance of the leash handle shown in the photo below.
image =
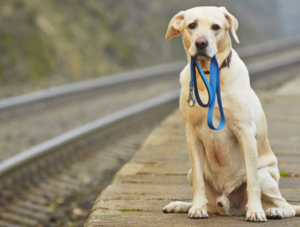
(213, 87)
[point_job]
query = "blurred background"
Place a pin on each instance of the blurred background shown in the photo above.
(53, 163)
(53, 42)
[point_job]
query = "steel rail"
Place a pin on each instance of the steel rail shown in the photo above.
(270, 46)
(274, 63)
(69, 137)
(73, 88)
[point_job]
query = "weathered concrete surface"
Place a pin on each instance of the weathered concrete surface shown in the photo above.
(156, 175)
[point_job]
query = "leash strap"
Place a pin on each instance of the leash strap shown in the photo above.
(213, 87)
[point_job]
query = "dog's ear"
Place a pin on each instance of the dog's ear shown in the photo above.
(175, 26)
(233, 23)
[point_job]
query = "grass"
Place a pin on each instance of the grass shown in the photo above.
(285, 174)
(131, 210)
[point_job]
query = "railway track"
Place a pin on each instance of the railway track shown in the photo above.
(53, 111)
(63, 185)
(71, 167)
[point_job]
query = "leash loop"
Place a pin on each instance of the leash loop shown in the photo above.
(193, 83)
(213, 87)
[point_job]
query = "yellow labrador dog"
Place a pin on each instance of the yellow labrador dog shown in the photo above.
(234, 170)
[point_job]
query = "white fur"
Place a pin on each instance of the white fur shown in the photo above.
(221, 161)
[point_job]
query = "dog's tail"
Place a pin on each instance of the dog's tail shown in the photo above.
(297, 210)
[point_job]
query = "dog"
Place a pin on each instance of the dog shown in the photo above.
(234, 170)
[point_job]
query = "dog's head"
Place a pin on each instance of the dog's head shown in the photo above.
(204, 30)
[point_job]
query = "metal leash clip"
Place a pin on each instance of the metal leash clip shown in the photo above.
(191, 97)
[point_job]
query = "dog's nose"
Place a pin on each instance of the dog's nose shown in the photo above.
(201, 43)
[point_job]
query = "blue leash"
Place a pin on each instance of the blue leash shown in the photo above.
(213, 87)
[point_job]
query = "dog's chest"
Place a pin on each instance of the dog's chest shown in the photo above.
(223, 165)
(217, 145)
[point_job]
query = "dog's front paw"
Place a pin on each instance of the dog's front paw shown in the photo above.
(197, 212)
(257, 215)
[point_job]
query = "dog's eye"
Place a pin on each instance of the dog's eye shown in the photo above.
(192, 25)
(215, 27)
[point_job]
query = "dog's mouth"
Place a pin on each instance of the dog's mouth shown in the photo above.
(202, 56)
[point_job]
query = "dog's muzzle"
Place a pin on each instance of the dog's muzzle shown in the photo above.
(201, 43)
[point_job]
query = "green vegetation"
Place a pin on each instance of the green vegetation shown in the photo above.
(130, 210)
(26, 53)
(285, 174)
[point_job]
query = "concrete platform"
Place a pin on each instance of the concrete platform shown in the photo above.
(156, 175)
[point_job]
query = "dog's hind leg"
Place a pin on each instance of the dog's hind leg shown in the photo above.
(274, 204)
(177, 207)
(297, 210)
(180, 207)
